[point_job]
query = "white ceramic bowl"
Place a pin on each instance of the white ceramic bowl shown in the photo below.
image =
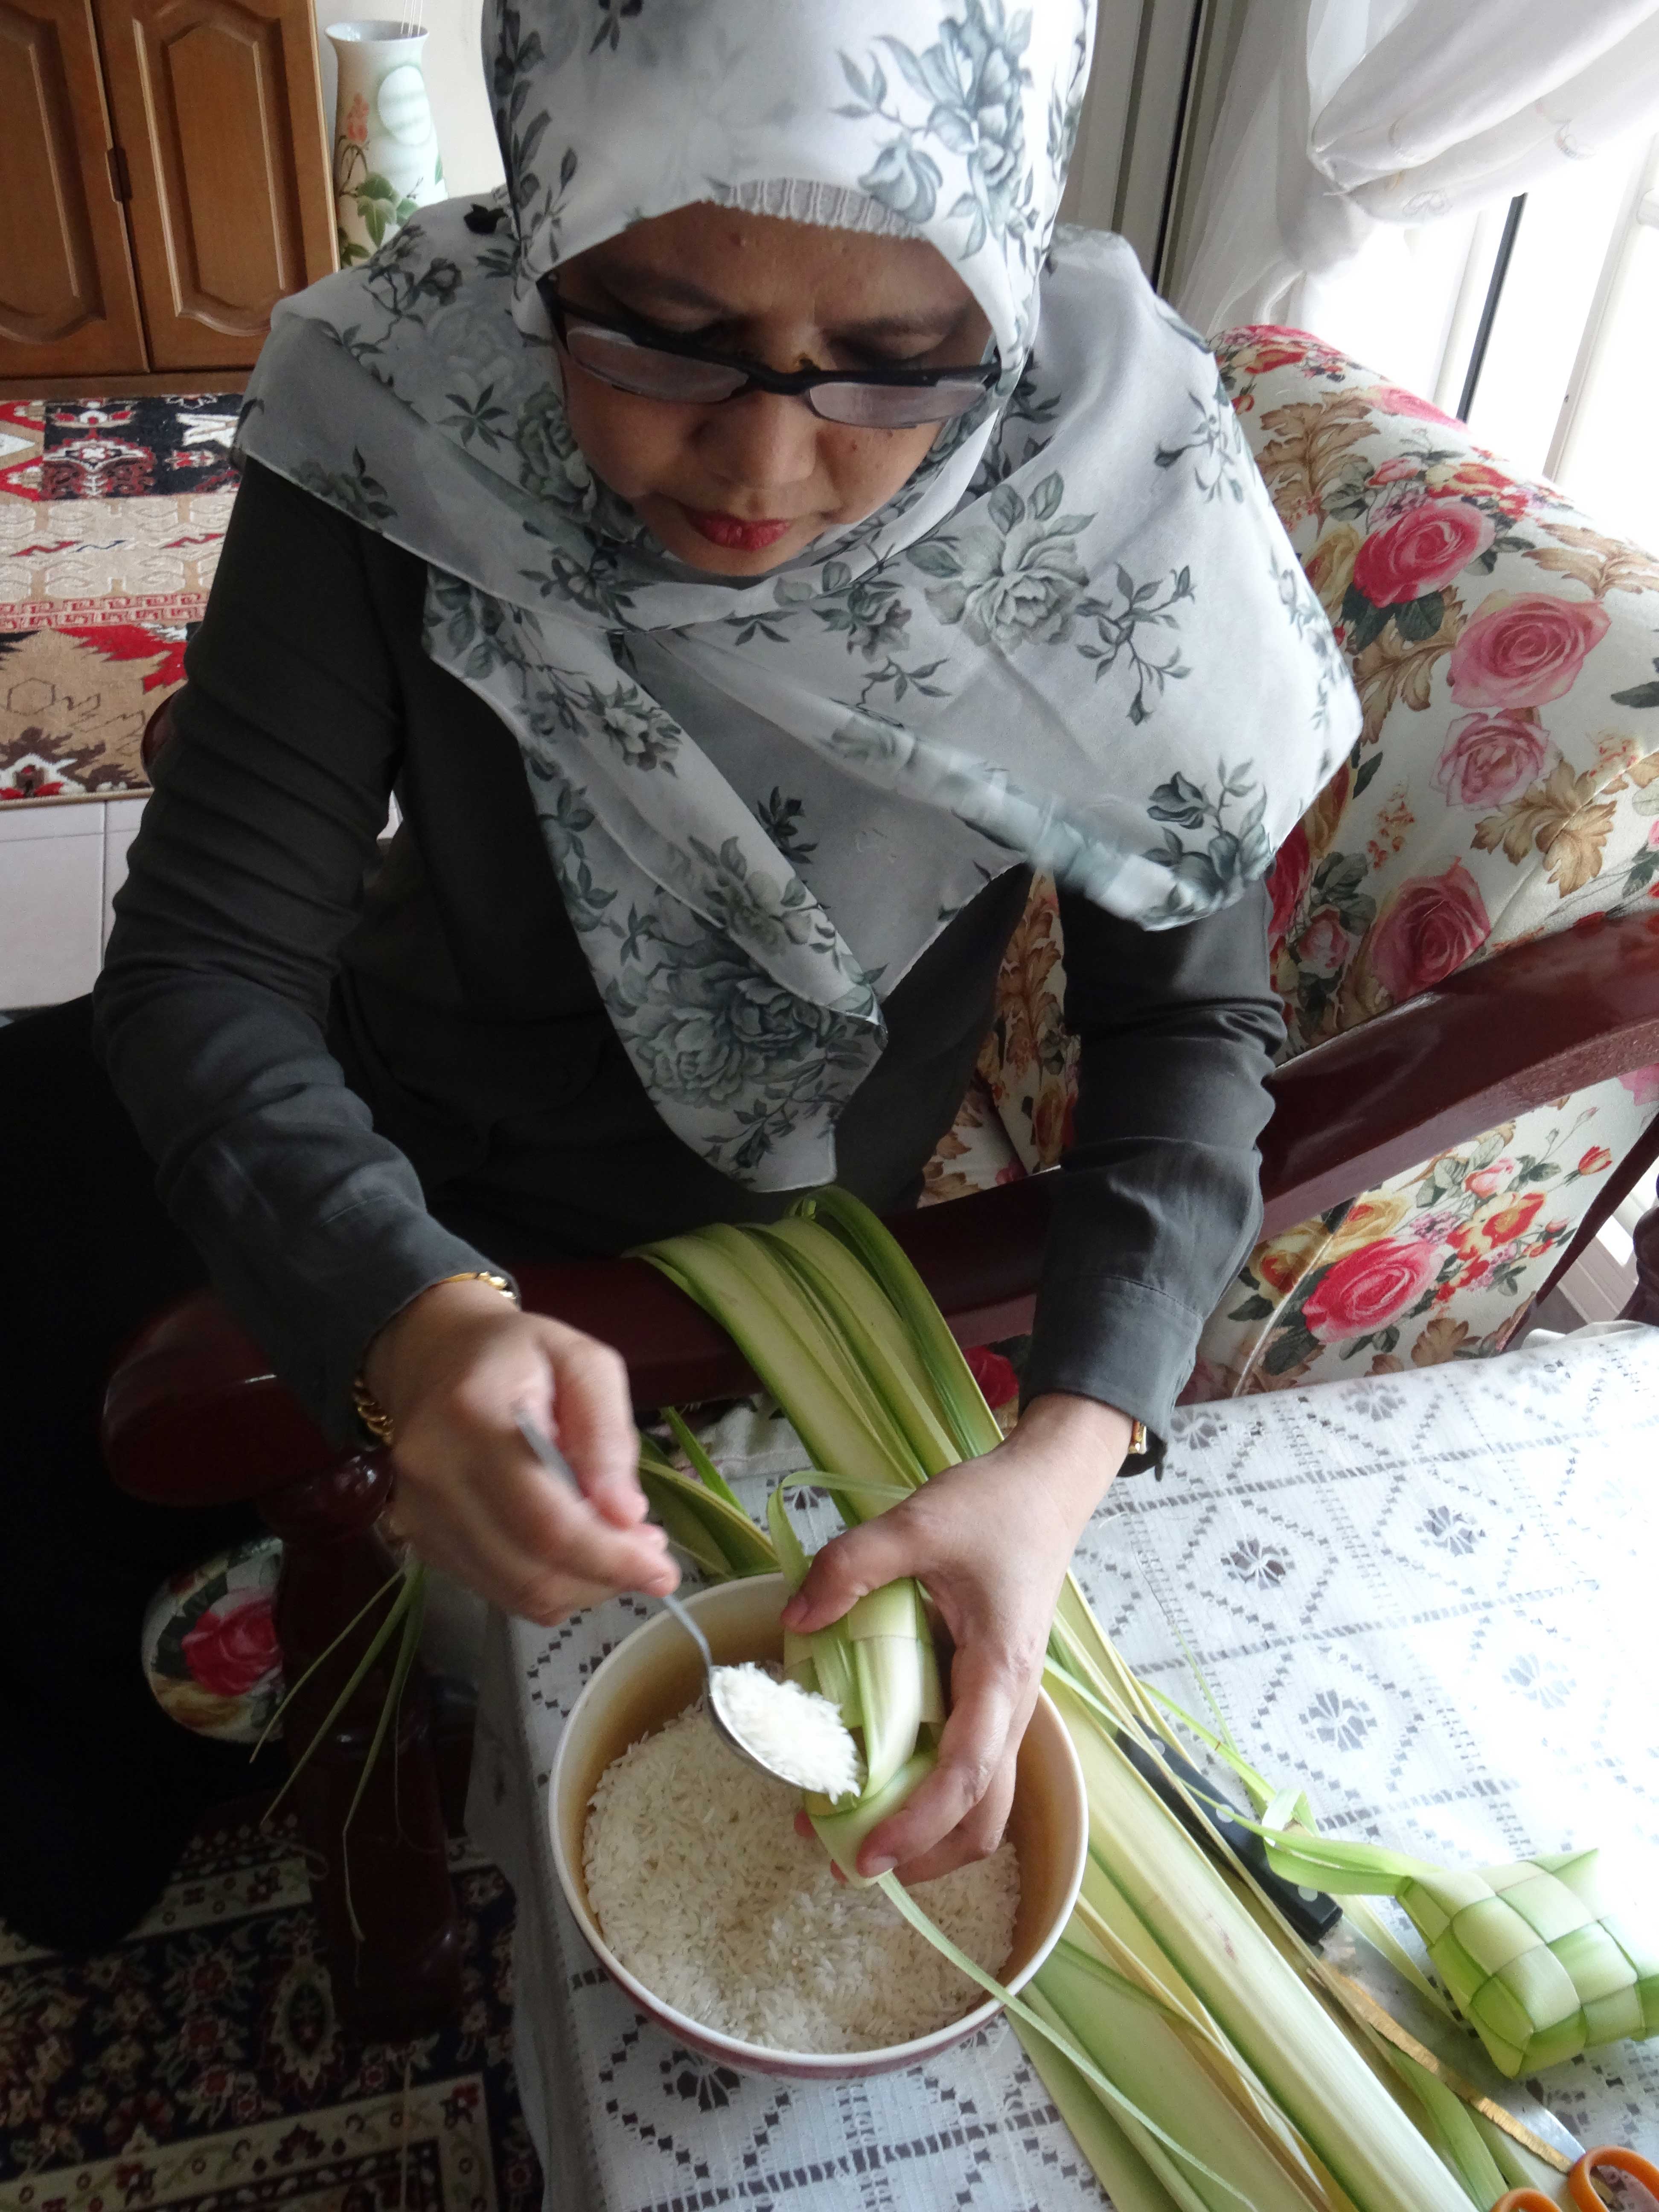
(654, 1674)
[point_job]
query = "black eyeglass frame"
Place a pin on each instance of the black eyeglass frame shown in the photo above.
(789, 384)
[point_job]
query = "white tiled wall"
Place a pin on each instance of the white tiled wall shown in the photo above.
(60, 866)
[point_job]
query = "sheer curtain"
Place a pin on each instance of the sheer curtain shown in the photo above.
(1350, 124)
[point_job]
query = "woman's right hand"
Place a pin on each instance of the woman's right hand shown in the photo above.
(452, 1369)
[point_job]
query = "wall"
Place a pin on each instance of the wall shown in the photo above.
(61, 863)
(1213, 70)
(1129, 143)
(455, 82)
(1091, 187)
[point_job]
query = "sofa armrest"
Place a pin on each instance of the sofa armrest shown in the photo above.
(1532, 1023)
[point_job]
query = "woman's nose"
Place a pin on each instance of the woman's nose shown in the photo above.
(764, 442)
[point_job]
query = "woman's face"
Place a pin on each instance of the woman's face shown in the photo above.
(742, 487)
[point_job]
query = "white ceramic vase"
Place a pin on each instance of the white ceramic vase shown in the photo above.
(386, 162)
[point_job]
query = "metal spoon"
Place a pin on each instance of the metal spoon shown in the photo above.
(553, 1460)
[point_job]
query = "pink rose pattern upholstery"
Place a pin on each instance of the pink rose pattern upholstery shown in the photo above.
(1505, 784)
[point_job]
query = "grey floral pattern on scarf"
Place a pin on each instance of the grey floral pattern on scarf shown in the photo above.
(1015, 578)
(1077, 636)
(974, 83)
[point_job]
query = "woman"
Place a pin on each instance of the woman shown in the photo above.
(746, 551)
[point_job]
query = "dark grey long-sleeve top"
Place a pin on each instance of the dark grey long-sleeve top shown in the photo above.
(357, 1075)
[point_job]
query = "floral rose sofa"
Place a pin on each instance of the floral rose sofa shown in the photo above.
(1505, 784)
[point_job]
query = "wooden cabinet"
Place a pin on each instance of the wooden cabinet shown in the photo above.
(164, 171)
(68, 302)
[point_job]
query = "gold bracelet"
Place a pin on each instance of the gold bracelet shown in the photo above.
(1137, 1440)
(371, 1415)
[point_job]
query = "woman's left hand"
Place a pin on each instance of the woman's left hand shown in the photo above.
(992, 1540)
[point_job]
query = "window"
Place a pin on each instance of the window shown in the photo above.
(1553, 332)
(1538, 324)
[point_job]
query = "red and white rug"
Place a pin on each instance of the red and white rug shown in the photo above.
(112, 512)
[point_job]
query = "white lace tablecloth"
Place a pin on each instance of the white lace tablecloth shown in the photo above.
(1430, 1596)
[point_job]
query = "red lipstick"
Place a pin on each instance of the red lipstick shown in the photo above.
(733, 532)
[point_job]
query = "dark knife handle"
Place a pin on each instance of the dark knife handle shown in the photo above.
(1312, 1914)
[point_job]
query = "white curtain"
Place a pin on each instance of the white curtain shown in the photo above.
(1347, 123)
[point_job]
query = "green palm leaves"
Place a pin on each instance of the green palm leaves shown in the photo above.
(819, 1333)
(700, 1512)
(1172, 2024)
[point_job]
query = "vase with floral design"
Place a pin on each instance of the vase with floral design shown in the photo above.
(208, 1644)
(386, 162)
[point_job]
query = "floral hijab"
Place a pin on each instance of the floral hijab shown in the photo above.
(1077, 637)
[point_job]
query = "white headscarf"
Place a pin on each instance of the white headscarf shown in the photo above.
(1077, 636)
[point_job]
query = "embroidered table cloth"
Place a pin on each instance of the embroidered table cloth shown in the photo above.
(1430, 1596)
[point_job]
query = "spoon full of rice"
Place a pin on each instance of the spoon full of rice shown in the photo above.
(791, 1733)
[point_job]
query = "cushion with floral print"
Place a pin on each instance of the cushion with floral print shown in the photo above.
(1505, 783)
(973, 1154)
(1437, 1263)
(210, 1647)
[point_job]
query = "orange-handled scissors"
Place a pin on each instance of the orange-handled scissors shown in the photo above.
(1580, 2181)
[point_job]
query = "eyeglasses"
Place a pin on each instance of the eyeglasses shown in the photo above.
(659, 367)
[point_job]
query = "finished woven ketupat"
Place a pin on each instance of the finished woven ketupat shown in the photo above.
(1530, 1953)
(1534, 1960)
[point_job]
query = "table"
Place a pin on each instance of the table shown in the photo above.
(1429, 1595)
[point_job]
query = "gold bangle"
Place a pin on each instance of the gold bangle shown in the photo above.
(1137, 1440)
(371, 1415)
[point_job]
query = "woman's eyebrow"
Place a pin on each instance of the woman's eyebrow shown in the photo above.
(921, 323)
(668, 290)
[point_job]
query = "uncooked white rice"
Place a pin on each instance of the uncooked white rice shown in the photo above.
(794, 1732)
(704, 1891)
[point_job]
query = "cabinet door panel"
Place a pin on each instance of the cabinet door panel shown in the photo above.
(218, 104)
(67, 301)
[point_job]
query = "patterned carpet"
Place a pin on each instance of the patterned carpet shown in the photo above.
(110, 515)
(200, 2063)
